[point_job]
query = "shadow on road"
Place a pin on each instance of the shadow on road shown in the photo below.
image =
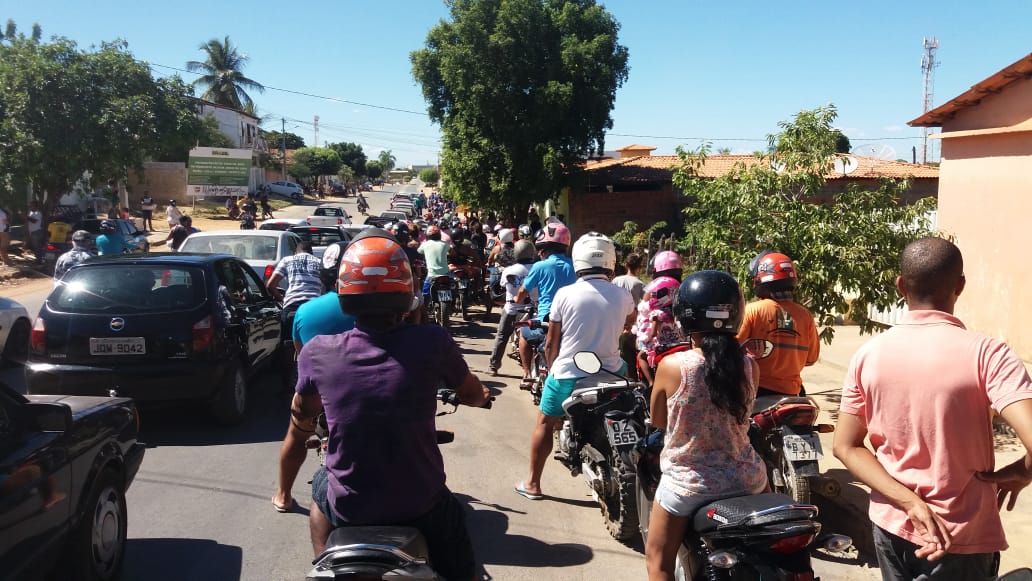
(488, 524)
(177, 559)
(267, 416)
(847, 514)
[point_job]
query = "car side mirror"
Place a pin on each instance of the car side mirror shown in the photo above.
(587, 362)
(48, 417)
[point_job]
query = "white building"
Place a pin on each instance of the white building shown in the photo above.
(240, 127)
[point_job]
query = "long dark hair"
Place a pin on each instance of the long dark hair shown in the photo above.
(725, 373)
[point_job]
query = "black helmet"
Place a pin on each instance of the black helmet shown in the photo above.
(107, 226)
(709, 301)
(458, 235)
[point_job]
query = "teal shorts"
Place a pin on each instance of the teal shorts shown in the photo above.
(556, 391)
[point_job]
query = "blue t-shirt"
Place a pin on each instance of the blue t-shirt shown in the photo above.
(111, 244)
(320, 316)
(548, 276)
(379, 393)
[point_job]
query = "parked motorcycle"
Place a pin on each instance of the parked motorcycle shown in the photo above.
(443, 294)
(381, 552)
(605, 418)
(538, 366)
(785, 432)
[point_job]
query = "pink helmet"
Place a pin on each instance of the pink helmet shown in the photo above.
(554, 232)
(666, 260)
(662, 291)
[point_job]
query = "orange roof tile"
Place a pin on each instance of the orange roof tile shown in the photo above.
(636, 146)
(973, 96)
(718, 165)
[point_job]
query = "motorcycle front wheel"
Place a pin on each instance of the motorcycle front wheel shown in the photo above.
(620, 508)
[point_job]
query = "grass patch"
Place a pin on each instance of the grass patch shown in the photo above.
(212, 209)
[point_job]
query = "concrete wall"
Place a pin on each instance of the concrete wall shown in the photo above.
(985, 202)
(164, 180)
(606, 212)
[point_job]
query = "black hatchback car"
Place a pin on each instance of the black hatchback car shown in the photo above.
(157, 328)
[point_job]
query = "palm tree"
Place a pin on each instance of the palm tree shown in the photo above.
(387, 160)
(223, 75)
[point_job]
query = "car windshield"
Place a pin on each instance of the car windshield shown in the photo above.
(246, 247)
(328, 212)
(318, 236)
(128, 287)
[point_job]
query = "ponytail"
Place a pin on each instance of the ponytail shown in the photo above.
(724, 372)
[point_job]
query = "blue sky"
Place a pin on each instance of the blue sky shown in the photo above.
(723, 71)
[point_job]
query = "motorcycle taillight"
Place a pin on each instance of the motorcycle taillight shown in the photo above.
(764, 422)
(789, 545)
(796, 415)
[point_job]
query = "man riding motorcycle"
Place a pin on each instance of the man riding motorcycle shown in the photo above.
(377, 385)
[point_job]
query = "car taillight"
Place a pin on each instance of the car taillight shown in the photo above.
(340, 221)
(796, 415)
(51, 248)
(268, 271)
(789, 545)
(203, 333)
(38, 339)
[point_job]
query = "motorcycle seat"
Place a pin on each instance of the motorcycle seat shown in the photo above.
(765, 402)
(406, 539)
(754, 509)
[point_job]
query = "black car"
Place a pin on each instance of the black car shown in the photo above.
(157, 328)
(65, 464)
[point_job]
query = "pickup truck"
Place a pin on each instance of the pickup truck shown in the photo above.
(328, 215)
(65, 464)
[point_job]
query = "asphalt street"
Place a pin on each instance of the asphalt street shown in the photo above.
(200, 506)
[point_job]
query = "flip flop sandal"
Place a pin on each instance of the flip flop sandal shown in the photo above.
(521, 489)
(526, 384)
(281, 509)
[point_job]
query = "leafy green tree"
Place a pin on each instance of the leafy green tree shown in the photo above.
(351, 155)
(276, 140)
(842, 144)
(373, 169)
(523, 90)
(847, 251)
(320, 161)
(346, 174)
(222, 75)
(387, 160)
(429, 175)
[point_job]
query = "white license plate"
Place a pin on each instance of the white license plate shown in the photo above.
(118, 346)
(802, 447)
(621, 433)
(463, 284)
(444, 296)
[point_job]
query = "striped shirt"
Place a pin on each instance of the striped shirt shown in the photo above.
(302, 273)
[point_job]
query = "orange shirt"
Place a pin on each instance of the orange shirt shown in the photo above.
(791, 329)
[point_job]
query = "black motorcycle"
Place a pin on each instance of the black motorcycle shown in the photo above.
(443, 296)
(605, 418)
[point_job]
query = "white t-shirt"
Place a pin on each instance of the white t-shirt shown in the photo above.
(592, 312)
(512, 278)
(5, 226)
(38, 224)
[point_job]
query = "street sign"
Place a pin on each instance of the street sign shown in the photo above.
(214, 171)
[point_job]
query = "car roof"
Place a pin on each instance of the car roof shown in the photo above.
(240, 233)
(178, 258)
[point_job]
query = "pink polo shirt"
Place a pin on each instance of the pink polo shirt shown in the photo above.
(926, 389)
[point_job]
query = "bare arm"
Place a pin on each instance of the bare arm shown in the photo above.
(521, 295)
(472, 392)
(1014, 477)
(668, 379)
(555, 332)
(849, 447)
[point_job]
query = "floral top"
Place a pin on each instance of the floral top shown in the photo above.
(706, 450)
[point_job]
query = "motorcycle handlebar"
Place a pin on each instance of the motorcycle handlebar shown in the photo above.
(449, 397)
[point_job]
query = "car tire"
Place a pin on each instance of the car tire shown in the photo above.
(16, 350)
(99, 539)
(230, 402)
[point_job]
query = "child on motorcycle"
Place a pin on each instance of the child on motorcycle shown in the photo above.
(655, 324)
(702, 399)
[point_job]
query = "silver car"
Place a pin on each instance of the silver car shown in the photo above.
(261, 249)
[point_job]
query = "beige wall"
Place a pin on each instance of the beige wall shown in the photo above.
(985, 201)
(1009, 107)
(164, 180)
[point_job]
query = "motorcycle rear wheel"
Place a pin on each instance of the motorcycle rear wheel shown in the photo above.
(796, 486)
(620, 508)
(442, 315)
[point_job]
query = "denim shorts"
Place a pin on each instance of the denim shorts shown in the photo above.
(686, 505)
(443, 527)
(533, 335)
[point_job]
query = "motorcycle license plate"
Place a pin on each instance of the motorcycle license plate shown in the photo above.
(444, 296)
(621, 433)
(463, 284)
(802, 447)
(120, 346)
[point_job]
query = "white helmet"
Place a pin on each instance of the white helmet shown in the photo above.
(485, 229)
(594, 253)
(505, 236)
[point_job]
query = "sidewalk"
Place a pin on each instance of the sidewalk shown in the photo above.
(848, 513)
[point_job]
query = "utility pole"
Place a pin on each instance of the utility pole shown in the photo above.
(928, 64)
(315, 142)
(283, 147)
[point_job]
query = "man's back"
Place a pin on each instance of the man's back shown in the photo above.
(592, 313)
(548, 276)
(791, 328)
(631, 284)
(112, 243)
(436, 253)
(303, 273)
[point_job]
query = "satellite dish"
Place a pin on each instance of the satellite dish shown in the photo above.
(876, 150)
(777, 165)
(845, 164)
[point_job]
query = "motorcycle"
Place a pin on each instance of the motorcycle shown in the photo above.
(465, 291)
(538, 365)
(604, 419)
(380, 552)
(785, 432)
(363, 206)
(441, 305)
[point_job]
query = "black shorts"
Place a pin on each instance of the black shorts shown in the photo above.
(897, 562)
(444, 527)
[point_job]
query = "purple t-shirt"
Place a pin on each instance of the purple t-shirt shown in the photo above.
(379, 392)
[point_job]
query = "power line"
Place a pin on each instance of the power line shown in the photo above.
(764, 140)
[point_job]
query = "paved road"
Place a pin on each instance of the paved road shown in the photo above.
(200, 507)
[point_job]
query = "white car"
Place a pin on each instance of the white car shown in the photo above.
(15, 327)
(286, 189)
(261, 249)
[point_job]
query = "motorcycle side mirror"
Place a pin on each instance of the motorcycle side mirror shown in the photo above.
(587, 362)
(758, 348)
(1018, 575)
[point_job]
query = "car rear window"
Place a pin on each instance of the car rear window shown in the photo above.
(245, 247)
(320, 237)
(135, 287)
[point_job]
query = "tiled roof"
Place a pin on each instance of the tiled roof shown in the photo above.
(994, 84)
(634, 146)
(718, 165)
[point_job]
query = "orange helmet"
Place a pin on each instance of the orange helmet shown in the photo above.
(375, 275)
(772, 271)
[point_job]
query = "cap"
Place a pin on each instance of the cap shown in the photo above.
(81, 236)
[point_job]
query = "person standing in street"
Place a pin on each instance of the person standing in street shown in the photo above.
(147, 209)
(925, 393)
(172, 215)
(775, 317)
(630, 281)
(177, 235)
(37, 234)
(512, 278)
(79, 252)
(5, 237)
(588, 315)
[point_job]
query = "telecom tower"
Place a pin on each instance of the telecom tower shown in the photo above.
(928, 64)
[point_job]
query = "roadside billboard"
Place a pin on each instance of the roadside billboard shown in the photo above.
(215, 171)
